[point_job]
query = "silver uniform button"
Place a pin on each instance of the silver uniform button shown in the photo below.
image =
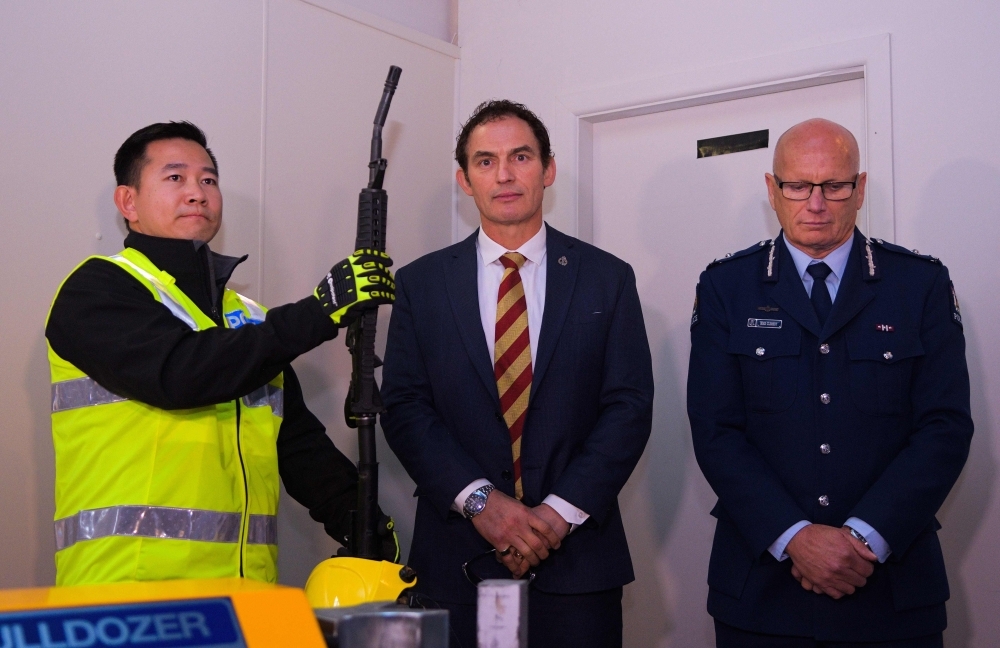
(824, 398)
(825, 448)
(824, 348)
(760, 351)
(887, 355)
(824, 500)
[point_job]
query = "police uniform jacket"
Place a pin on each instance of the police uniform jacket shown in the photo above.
(867, 416)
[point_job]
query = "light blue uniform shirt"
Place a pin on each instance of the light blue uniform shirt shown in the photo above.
(837, 262)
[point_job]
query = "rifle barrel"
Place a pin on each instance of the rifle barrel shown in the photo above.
(391, 81)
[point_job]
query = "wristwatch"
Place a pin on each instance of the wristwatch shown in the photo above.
(476, 501)
(855, 534)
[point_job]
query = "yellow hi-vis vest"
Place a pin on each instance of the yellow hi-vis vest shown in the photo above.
(144, 493)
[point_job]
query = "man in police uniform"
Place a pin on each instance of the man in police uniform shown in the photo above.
(174, 407)
(829, 403)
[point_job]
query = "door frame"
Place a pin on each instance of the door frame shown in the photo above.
(864, 58)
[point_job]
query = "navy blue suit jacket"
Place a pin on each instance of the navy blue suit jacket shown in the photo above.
(891, 358)
(589, 414)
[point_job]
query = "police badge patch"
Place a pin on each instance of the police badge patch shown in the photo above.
(236, 319)
(694, 310)
(956, 310)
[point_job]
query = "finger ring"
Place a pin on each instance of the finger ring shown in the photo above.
(505, 551)
(517, 554)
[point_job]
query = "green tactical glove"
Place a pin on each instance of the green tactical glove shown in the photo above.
(390, 541)
(359, 282)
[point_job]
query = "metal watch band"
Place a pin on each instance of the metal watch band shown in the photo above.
(860, 538)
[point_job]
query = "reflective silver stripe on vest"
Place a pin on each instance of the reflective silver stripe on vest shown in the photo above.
(263, 529)
(148, 522)
(165, 297)
(267, 395)
(81, 392)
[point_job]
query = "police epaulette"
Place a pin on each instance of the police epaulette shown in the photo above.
(757, 247)
(892, 247)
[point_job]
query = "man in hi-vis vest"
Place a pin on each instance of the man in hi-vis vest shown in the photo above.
(174, 408)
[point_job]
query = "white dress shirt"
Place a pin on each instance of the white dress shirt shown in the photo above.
(837, 262)
(489, 273)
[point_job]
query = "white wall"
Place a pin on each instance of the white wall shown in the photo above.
(947, 166)
(286, 92)
(437, 18)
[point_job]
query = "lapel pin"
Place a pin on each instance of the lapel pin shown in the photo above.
(768, 309)
(885, 328)
(563, 260)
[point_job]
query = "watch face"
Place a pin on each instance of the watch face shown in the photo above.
(476, 501)
(475, 504)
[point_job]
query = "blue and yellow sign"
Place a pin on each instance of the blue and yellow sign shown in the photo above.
(224, 613)
(177, 624)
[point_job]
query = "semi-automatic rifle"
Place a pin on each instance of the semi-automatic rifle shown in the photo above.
(363, 401)
(358, 574)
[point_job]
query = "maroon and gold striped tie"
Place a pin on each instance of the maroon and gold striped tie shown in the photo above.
(512, 354)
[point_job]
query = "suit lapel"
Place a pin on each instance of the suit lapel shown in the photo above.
(854, 292)
(561, 266)
(790, 293)
(463, 293)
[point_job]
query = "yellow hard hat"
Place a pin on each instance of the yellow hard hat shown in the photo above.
(338, 582)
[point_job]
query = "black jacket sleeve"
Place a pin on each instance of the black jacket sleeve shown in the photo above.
(112, 328)
(604, 462)
(314, 472)
(749, 489)
(907, 495)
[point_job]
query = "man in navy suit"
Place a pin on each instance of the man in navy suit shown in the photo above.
(829, 402)
(518, 387)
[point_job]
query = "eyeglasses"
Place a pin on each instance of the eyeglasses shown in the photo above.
(475, 578)
(803, 190)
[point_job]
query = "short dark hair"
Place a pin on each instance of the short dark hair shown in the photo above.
(493, 110)
(131, 155)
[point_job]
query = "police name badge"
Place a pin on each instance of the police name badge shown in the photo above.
(754, 322)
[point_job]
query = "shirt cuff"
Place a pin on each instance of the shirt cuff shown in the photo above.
(459, 504)
(878, 544)
(777, 548)
(566, 511)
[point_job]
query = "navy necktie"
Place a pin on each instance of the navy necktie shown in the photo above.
(820, 296)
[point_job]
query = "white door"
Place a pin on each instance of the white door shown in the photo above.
(669, 213)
